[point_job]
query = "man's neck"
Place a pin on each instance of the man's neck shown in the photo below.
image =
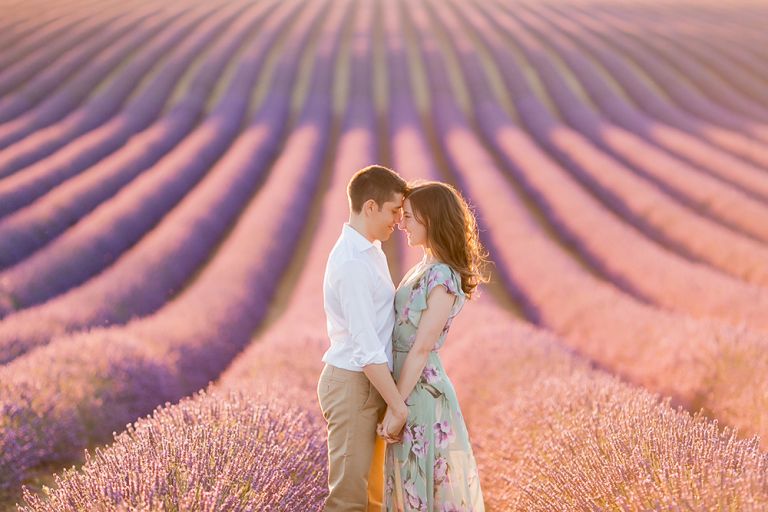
(358, 226)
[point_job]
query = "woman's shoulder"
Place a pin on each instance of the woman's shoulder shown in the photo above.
(443, 274)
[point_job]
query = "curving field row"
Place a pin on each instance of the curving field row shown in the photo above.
(19, 190)
(21, 117)
(692, 178)
(101, 141)
(618, 250)
(141, 280)
(200, 429)
(57, 63)
(178, 349)
(29, 228)
(172, 177)
(675, 85)
(698, 363)
(117, 224)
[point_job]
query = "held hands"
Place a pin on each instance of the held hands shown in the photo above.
(391, 427)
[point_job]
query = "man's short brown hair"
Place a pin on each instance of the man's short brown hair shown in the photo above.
(374, 182)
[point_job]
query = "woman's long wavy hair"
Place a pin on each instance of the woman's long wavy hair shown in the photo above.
(452, 233)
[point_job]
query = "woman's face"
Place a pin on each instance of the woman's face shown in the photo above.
(416, 232)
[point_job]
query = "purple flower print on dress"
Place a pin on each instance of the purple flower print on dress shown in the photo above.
(440, 470)
(443, 433)
(433, 280)
(408, 432)
(404, 314)
(450, 507)
(430, 374)
(420, 444)
(412, 496)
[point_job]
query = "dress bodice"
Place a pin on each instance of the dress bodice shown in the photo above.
(411, 300)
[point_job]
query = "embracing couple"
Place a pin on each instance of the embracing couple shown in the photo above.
(396, 438)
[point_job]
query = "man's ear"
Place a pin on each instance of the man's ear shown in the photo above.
(369, 206)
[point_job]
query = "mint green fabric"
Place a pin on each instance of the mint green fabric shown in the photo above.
(433, 469)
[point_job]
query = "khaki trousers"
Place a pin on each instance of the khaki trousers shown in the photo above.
(352, 407)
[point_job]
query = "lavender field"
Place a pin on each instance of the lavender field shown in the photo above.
(173, 175)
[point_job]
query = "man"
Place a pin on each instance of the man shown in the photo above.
(356, 384)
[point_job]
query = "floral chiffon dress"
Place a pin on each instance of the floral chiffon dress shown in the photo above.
(433, 468)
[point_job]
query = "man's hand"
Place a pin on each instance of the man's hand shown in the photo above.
(391, 427)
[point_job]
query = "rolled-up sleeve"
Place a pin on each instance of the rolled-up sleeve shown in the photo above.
(355, 287)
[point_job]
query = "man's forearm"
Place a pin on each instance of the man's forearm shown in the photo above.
(382, 380)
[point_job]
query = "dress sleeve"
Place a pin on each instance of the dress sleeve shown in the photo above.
(437, 275)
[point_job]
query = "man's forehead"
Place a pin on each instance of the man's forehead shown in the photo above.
(397, 200)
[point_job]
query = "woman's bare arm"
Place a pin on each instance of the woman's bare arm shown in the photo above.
(433, 319)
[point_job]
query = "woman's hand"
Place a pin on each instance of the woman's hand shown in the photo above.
(391, 427)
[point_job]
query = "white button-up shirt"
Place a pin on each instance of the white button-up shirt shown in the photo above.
(358, 297)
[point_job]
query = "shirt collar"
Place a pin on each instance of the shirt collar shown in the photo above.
(357, 239)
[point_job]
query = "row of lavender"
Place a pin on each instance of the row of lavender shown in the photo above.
(525, 445)
(44, 275)
(221, 172)
(479, 200)
(576, 212)
(701, 363)
(57, 398)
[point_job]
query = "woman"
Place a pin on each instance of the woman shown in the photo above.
(430, 465)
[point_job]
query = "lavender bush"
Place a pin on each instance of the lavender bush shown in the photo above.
(210, 452)
(550, 432)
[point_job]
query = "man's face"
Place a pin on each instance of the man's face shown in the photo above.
(384, 222)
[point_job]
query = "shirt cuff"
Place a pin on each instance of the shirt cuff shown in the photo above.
(364, 359)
